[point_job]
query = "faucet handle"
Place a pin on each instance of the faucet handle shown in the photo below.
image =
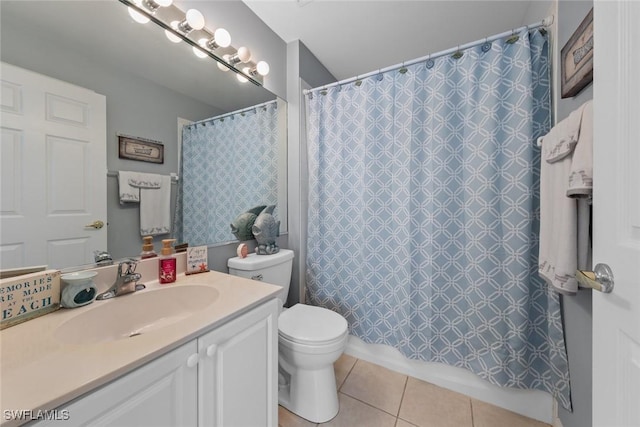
(129, 264)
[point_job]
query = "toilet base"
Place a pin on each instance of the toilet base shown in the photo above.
(310, 394)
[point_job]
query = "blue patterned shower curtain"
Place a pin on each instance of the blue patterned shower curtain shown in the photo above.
(228, 166)
(423, 213)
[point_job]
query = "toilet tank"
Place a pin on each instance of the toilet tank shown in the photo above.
(274, 269)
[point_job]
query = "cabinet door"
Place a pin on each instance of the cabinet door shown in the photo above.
(160, 393)
(237, 383)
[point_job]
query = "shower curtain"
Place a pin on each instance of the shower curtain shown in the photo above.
(229, 165)
(423, 213)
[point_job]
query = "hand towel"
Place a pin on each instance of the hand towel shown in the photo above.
(581, 173)
(558, 221)
(129, 184)
(563, 226)
(155, 208)
(564, 139)
(126, 192)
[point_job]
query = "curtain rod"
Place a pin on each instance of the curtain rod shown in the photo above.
(233, 113)
(544, 23)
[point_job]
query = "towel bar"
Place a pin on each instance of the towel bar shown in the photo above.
(174, 176)
(600, 279)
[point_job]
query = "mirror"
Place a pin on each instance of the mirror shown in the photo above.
(150, 84)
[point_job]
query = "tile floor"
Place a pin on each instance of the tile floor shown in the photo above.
(373, 396)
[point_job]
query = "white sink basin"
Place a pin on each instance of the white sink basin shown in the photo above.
(128, 316)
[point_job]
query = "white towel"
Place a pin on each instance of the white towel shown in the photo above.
(581, 174)
(564, 139)
(155, 208)
(559, 225)
(129, 184)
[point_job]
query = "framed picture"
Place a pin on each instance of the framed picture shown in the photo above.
(141, 149)
(577, 59)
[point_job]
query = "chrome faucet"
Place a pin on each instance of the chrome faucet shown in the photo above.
(126, 281)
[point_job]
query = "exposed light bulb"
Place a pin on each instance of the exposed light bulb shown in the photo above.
(137, 16)
(195, 19)
(222, 67)
(263, 68)
(244, 54)
(170, 35)
(222, 37)
(198, 52)
(241, 78)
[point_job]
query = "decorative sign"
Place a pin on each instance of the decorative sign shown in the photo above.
(577, 59)
(145, 150)
(27, 296)
(197, 260)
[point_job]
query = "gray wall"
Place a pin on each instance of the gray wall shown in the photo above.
(576, 309)
(301, 65)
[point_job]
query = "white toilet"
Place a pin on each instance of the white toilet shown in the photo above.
(310, 339)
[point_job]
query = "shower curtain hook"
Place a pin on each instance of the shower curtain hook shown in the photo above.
(457, 54)
(403, 69)
(358, 81)
(429, 63)
(486, 46)
(514, 37)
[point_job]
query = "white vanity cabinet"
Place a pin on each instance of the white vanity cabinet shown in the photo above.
(161, 393)
(226, 377)
(238, 371)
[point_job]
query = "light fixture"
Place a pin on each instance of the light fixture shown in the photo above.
(150, 6)
(221, 38)
(240, 77)
(194, 20)
(190, 28)
(223, 67)
(153, 5)
(261, 68)
(138, 17)
(242, 55)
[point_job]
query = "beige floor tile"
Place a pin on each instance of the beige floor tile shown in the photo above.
(354, 413)
(342, 367)
(289, 419)
(375, 385)
(486, 415)
(427, 405)
(402, 423)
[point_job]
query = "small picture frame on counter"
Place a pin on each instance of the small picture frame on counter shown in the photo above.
(197, 260)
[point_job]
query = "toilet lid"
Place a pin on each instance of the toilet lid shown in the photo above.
(306, 323)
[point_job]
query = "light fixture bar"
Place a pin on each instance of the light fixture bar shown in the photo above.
(189, 41)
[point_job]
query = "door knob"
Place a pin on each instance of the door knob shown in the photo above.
(97, 224)
(600, 279)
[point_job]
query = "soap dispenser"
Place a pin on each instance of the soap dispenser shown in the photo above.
(167, 272)
(147, 248)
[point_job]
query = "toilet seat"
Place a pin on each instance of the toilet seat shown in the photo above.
(311, 326)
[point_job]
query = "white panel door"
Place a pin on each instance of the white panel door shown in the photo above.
(616, 211)
(53, 159)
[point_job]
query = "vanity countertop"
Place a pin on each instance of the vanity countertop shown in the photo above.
(39, 372)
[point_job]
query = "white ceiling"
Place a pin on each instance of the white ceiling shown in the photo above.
(356, 37)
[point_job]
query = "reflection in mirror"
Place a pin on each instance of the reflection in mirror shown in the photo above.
(150, 85)
(213, 190)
